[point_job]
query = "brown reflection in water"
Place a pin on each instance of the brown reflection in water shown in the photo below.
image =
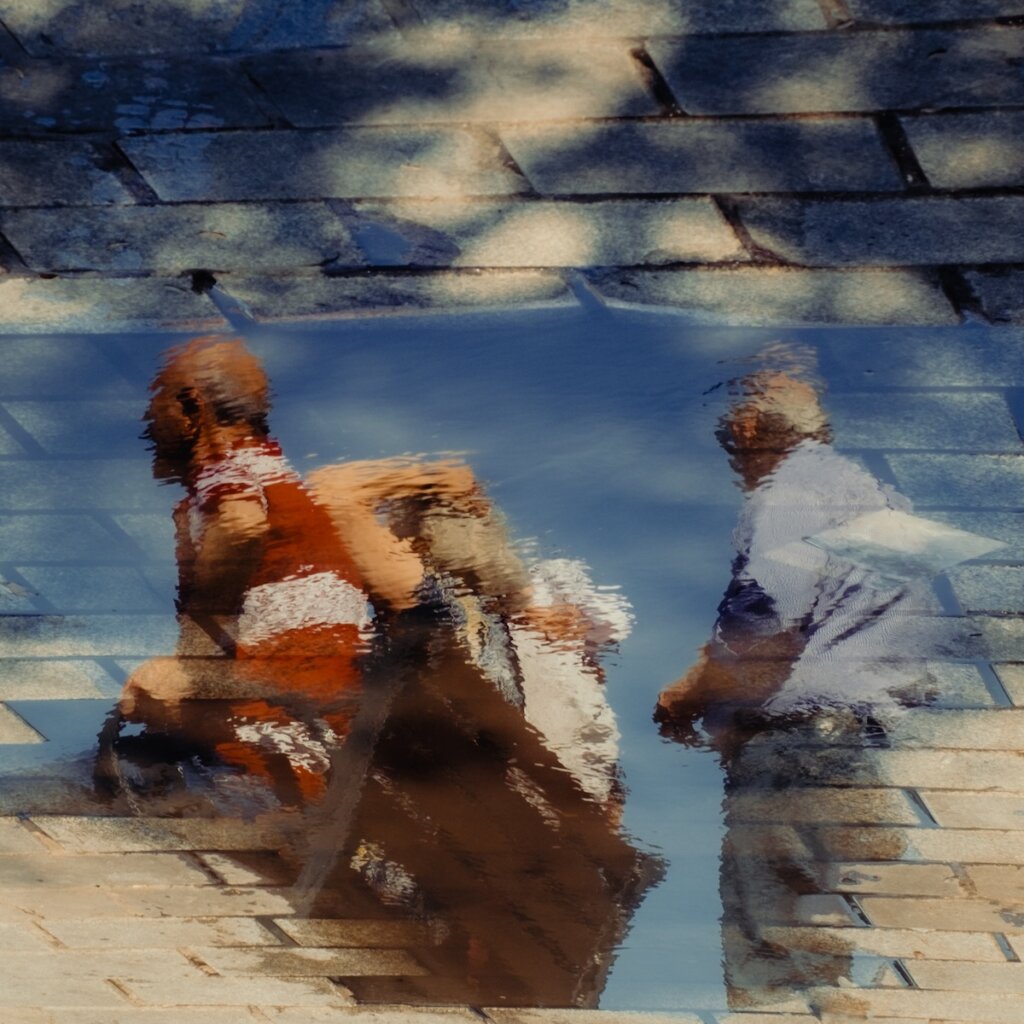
(365, 655)
(775, 698)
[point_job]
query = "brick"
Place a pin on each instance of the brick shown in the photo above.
(810, 805)
(42, 367)
(316, 932)
(1001, 293)
(613, 17)
(997, 881)
(94, 589)
(896, 12)
(887, 232)
(1000, 526)
(50, 97)
(968, 977)
(946, 845)
(115, 932)
(182, 237)
(311, 962)
(952, 419)
(60, 991)
(971, 480)
(969, 150)
(152, 533)
(967, 730)
(969, 1008)
(233, 871)
(501, 1015)
(989, 588)
(22, 936)
(775, 296)
(206, 901)
(55, 636)
(817, 909)
(975, 810)
(968, 915)
(349, 162)
(503, 81)
(775, 841)
(674, 156)
(214, 991)
(125, 835)
(266, 25)
(845, 71)
(285, 298)
(372, 1015)
(14, 729)
(107, 305)
(96, 483)
(901, 943)
(16, 839)
(1012, 678)
(71, 178)
(42, 901)
(150, 1015)
(130, 869)
(551, 234)
(90, 427)
(41, 679)
(892, 879)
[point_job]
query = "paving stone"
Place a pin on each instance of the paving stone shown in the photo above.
(969, 150)
(968, 977)
(56, 636)
(60, 991)
(892, 879)
(329, 932)
(902, 943)
(843, 71)
(817, 909)
(152, 532)
(96, 483)
(893, 232)
(89, 427)
(17, 840)
(775, 841)
(1002, 526)
(656, 157)
(214, 991)
(101, 305)
(372, 1015)
(349, 162)
(1012, 678)
(207, 901)
(47, 97)
(952, 1007)
(22, 936)
(803, 805)
(233, 871)
(895, 12)
(971, 480)
(936, 420)
(165, 933)
(269, 25)
(285, 298)
(946, 845)
(150, 1015)
(1001, 293)
(14, 728)
(124, 835)
(59, 538)
(95, 589)
(71, 176)
(127, 869)
(44, 902)
(552, 234)
(311, 962)
(543, 80)
(52, 367)
(182, 237)
(970, 915)
(965, 730)
(996, 882)
(618, 17)
(502, 1015)
(772, 296)
(975, 810)
(989, 588)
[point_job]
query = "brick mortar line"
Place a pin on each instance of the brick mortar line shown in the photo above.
(655, 83)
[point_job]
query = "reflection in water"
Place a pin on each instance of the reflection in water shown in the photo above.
(808, 658)
(367, 652)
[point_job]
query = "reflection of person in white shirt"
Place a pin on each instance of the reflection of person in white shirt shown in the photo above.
(830, 563)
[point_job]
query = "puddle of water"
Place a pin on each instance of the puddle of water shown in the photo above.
(410, 591)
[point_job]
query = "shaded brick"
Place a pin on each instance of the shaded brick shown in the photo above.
(165, 933)
(153, 533)
(895, 12)
(763, 296)
(800, 805)
(47, 97)
(16, 839)
(297, 297)
(58, 636)
(1001, 293)
(845, 71)
(965, 730)
(94, 589)
(215, 991)
(971, 480)
(43, 367)
(989, 588)
(969, 150)
(951, 419)
(59, 538)
(544, 80)
(626, 17)
(101, 305)
(700, 156)
(311, 962)
(975, 810)
(372, 1015)
(129, 869)
(330, 932)
(970, 1007)
(904, 231)
(91, 427)
(14, 728)
(182, 237)
(502, 1015)
(70, 175)
(554, 234)
(96, 483)
(107, 835)
(903, 943)
(946, 845)
(1012, 678)
(349, 162)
